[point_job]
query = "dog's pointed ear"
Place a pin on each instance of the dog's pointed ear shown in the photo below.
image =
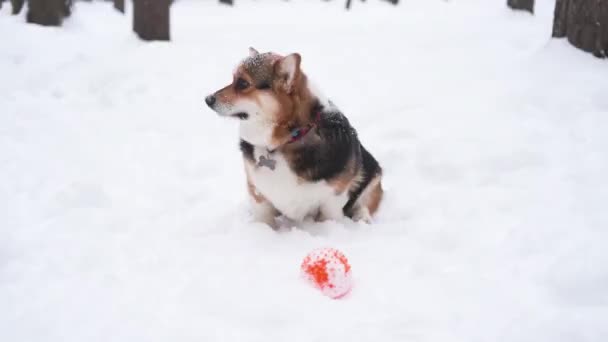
(253, 52)
(288, 70)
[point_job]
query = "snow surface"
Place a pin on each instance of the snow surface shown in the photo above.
(123, 207)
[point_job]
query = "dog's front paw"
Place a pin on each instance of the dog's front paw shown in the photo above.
(265, 213)
(362, 215)
(269, 221)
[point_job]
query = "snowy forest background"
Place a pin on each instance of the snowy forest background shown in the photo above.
(583, 22)
(123, 206)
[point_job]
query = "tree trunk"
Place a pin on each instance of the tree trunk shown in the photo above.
(151, 19)
(559, 18)
(67, 7)
(45, 12)
(585, 23)
(348, 4)
(120, 5)
(17, 6)
(227, 2)
(526, 5)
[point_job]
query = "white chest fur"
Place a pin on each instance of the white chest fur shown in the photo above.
(293, 197)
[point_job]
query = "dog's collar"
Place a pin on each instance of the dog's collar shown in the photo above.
(300, 132)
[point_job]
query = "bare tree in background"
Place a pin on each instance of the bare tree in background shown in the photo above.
(349, 2)
(67, 7)
(17, 5)
(120, 5)
(584, 23)
(45, 12)
(526, 5)
(151, 19)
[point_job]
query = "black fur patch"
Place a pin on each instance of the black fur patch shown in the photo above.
(328, 159)
(247, 150)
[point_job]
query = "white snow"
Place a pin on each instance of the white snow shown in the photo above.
(123, 210)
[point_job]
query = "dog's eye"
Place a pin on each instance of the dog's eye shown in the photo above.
(241, 84)
(263, 85)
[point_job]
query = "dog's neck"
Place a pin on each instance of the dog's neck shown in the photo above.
(299, 133)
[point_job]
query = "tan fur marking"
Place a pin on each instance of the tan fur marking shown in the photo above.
(340, 184)
(346, 179)
(253, 192)
(374, 196)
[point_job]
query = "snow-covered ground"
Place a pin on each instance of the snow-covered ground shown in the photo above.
(123, 213)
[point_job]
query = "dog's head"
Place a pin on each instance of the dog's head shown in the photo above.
(268, 94)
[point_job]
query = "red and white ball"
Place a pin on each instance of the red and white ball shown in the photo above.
(328, 270)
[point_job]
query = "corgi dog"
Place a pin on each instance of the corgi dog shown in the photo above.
(303, 159)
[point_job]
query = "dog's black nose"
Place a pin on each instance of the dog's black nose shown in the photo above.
(210, 100)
